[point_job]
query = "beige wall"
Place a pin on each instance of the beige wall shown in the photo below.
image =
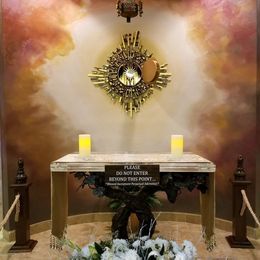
(51, 46)
(170, 111)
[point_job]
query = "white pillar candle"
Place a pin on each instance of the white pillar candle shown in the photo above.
(84, 145)
(177, 145)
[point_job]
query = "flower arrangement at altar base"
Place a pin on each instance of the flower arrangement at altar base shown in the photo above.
(141, 248)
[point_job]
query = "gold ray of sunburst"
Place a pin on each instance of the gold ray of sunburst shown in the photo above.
(122, 76)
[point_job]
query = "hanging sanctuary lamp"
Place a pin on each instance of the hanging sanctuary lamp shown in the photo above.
(129, 9)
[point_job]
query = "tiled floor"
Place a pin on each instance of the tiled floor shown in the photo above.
(85, 233)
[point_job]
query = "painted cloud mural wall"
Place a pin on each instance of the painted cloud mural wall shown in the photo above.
(51, 46)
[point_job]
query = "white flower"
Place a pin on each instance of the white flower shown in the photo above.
(85, 251)
(128, 255)
(159, 243)
(175, 247)
(136, 243)
(107, 255)
(119, 245)
(171, 255)
(120, 250)
(156, 255)
(132, 255)
(75, 253)
(181, 256)
(144, 238)
(149, 244)
(189, 249)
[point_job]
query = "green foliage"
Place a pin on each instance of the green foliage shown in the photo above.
(98, 248)
(162, 250)
(152, 201)
(115, 204)
(70, 244)
(107, 243)
(94, 253)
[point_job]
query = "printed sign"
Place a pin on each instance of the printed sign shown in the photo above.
(132, 174)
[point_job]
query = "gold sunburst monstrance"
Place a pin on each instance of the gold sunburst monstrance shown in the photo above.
(131, 74)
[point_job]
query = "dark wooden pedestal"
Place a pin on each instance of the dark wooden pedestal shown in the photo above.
(238, 239)
(28, 247)
(22, 227)
(239, 244)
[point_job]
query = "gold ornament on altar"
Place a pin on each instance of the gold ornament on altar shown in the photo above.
(131, 74)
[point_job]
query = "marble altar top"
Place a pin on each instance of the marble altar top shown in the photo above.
(96, 162)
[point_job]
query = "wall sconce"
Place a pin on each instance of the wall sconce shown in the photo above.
(129, 9)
